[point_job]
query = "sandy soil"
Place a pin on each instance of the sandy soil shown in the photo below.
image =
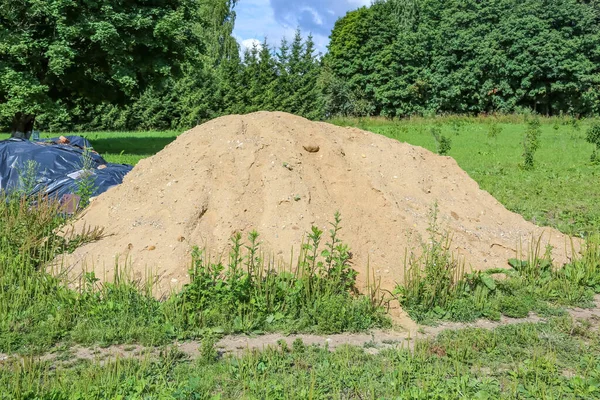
(280, 174)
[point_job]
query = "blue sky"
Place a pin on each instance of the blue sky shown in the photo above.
(275, 19)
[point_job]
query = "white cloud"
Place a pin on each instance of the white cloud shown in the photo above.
(250, 43)
(316, 17)
(275, 19)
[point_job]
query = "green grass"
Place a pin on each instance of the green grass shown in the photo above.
(129, 147)
(555, 360)
(437, 287)
(248, 294)
(562, 190)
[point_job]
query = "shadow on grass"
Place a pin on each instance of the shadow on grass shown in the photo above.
(131, 145)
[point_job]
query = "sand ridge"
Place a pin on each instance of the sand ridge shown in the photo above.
(261, 172)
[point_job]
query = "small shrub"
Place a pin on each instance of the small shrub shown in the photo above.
(443, 143)
(593, 137)
(531, 143)
(494, 130)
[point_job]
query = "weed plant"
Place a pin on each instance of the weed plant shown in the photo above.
(253, 294)
(436, 286)
(39, 309)
(86, 183)
(531, 143)
(443, 143)
(494, 130)
(593, 137)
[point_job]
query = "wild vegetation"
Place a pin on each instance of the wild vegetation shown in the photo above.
(521, 80)
(395, 58)
(250, 294)
(41, 312)
(557, 359)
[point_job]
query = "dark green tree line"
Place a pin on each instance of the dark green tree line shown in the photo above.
(402, 57)
(55, 54)
(157, 64)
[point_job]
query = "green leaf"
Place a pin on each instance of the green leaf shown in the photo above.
(488, 281)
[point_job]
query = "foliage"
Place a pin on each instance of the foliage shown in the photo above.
(531, 143)
(409, 57)
(436, 286)
(109, 51)
(593, 137)
(38, 308)
(252, 294)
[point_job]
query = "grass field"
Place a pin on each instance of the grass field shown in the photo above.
(557, 358)
(563, 190)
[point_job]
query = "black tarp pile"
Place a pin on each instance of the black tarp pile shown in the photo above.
(57, 168)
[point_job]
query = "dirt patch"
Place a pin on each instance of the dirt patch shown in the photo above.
(280, 174)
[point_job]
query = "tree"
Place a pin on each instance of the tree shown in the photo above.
(401, 57)
(54, 52)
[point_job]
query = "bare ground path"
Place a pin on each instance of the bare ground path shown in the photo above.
(373, 341)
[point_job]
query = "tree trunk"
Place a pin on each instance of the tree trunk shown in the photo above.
(22, 125)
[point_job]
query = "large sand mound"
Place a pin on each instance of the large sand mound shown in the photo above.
(240, 173)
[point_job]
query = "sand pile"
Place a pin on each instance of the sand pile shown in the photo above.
(281, 174)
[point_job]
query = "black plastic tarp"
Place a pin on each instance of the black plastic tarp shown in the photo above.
(56, 168)
(76, 141)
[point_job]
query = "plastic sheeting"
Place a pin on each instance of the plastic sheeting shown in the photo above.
(76, 141)
(58, 168)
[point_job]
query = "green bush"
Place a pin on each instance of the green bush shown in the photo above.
(443, 143)
(531, 143)
(593, 137)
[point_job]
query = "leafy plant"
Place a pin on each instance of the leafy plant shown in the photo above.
(593, 137)
(252, 294)
(531, 143)
(494, 130)
(443, 143)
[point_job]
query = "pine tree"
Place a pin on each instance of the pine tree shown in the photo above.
(281, 86)
(267, 74)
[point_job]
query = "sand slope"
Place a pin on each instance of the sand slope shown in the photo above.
(239, 173)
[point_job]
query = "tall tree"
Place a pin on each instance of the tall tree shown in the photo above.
(53, 51)
(400, 57)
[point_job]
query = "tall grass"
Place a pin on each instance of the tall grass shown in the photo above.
(436, 285)
(252, 293)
